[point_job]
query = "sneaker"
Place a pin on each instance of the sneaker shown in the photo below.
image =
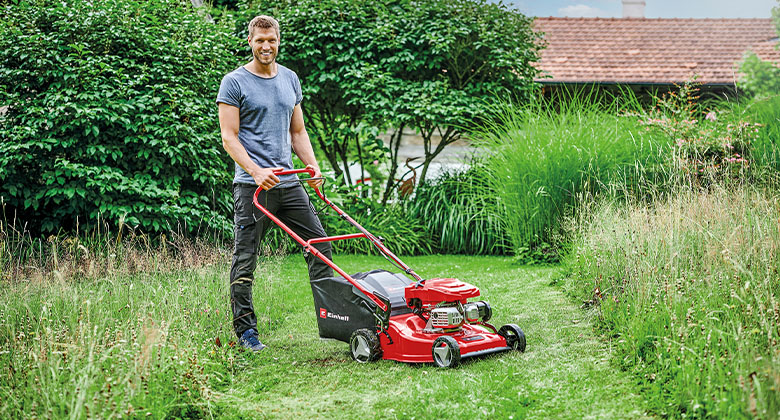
(250, 341)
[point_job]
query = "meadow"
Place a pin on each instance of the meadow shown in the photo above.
(160, 345)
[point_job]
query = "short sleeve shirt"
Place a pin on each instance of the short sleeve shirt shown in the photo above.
(265, 107)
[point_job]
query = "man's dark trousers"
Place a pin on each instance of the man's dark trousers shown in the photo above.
(292, 206)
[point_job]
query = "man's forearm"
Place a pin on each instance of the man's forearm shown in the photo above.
(237, 151)
(302, 147)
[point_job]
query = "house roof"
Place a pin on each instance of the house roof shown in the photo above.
(651, 51)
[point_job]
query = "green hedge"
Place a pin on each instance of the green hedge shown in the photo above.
(110, 114)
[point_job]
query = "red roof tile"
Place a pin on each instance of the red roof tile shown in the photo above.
(651, 50)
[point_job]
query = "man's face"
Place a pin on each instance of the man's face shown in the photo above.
(265, 44)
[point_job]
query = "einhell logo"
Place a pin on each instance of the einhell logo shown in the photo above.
(325, 314)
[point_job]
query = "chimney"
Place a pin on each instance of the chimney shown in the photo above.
(634, 9)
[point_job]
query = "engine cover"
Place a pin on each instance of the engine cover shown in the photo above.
(446, 318)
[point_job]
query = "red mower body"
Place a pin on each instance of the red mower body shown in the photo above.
(412, 345)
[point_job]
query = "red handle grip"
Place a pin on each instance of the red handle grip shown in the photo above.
(295, 171)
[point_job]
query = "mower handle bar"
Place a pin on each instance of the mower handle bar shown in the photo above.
(295, 171)
(308, 245)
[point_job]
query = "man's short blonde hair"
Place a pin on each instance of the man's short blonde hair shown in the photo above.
(264, 22)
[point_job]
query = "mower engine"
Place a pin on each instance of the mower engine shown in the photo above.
(450, 316)
(444, 303)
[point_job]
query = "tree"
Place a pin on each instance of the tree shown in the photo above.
(451, 60)
(328, 44)
(110, 114)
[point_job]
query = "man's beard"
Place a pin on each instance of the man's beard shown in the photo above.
(265, 59)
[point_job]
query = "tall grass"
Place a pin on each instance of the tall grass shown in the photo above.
(99, 252)
(766, 148)
(546, 156)
(463, 212)
(689, 286)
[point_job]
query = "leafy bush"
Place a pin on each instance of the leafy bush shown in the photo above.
(547, 159)
(708, 144)
(403, 234)
(761, 78)
(110, 113)
(688, 287)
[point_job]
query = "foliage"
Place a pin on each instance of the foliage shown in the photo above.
(329, 44)
(715, 146)
(463, 212)
(548, 159)
(110, 114)
(688, 288)
(403, 234)
(431, 65)
(761, 77)
(451, 61)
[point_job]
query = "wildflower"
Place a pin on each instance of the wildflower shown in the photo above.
(711, 116)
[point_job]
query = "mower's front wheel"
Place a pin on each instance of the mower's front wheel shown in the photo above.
(364, 346)
(514, 336)
(446, 352)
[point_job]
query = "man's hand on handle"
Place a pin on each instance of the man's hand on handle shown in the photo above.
(315, 183)
(265, 178)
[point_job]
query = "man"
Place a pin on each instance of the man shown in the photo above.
(262, 123)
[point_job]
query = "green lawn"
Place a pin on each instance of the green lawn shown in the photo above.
(148, 344)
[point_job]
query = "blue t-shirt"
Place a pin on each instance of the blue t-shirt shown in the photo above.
(265, 107)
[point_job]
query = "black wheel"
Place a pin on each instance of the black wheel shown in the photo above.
(364, 346)
(514, 336)
(446, 352)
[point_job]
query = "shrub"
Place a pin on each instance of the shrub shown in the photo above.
(403, 234)
(708, 144)
(761, 78)
(688, 288)
(110, 113)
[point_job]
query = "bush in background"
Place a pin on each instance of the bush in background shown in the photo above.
(110, 113)
(688, 286)
(709, 144)
(761, 78)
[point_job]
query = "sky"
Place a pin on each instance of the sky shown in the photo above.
(653, 8)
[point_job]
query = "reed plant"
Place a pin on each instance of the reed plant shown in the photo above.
(689, 288)
(546, 156)
(766, 146)
(463, 212)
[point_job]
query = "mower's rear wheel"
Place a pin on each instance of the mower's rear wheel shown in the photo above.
(364, 346)
(446, 352)
(514, 336)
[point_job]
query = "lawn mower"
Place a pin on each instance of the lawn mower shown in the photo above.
(399, 316)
